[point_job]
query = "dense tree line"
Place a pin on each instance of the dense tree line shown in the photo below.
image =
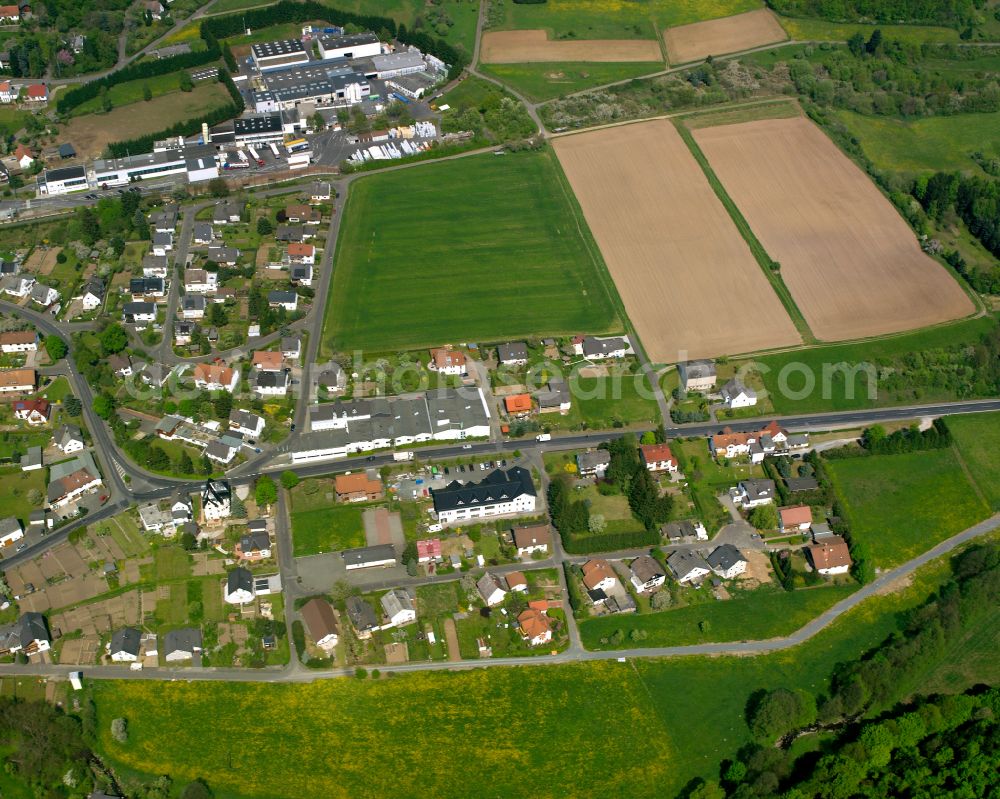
(942, 746)
(875, 441)
(939, 12)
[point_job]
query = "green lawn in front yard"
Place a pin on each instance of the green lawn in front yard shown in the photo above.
(977, 436)
(516, 244)
(766, 612)
(17, 486)
(328, 529)
(902, 505)
(57, 390)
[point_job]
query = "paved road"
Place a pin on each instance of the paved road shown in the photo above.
(574, 654)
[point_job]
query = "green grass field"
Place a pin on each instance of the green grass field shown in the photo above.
(751, 615)
(539, 82)
(837, 394)
(614, 19)
(327, 529)
(12, 120)
(132, 92)
(17, 485)
(933, 144)
(818, 30)
(682, 716)
(902, 505)
(977, 437)
(415, 268)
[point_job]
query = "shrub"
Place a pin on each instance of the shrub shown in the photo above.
(119, 730)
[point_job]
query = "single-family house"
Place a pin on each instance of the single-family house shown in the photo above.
(291, 347)
(531, 539)
(68, 439)
(516, 581)
(727, 561)
(447, 361)
(215, 377)
(92, 294)
(534, 626)
(29, 634)
(19, 341)
(33, 411)
(300, 213)
(491, 590)
(797, 518)
(658, 457)
(369, 557)
(598, 575)
(193, 306)
(268, 361)
(215, 500)
(10, 531)
(428, 549)
(320, 622)
(24, 156)
(288, 300)
(71, 479)
(224, 256)
(120, 364)
(736, 395)
(830, 555)
(162, 243)
(301, 253)
(554, 398)
(320, 191)
(357, 487)
(754, 492)
(135, 313)
(518, 404)
(17, 381)
(593, 463)
(514, 353)
(684, 530)
(239, 587)
(255, 544)
(300, 274)
(227, 212)
(32, 459)
(126, 644)
(362, 616)
(697, 376)
(184, 331)
(200, 281)
(687, 566)
(182, 644)
(397, 605)
(245, 423)
(18, 285)
(204, 233)
(598, 349)
(646, 574)
(43, 295)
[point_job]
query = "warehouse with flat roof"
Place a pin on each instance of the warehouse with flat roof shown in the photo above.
(279, 54)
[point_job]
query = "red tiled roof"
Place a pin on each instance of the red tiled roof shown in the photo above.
(833, 552)
(655, 453)
(796, 515)
(517, 403)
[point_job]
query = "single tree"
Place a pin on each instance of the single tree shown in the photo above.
(55, 347)
(266, 493)
(289, 479)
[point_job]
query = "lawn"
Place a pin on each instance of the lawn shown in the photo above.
(416, 268)
(902, 505)
(749, 615)
(126, 533)
(977, 437)
(327, 529)
(170, 563)
(17, 486)
(611, 19)
(818, 30)
(539, 82)
(57, 391)
(555, 720)
(625, 398)
(12, 120)
(933, 144)
(796, 384)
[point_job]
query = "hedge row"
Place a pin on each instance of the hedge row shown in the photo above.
(576, 544)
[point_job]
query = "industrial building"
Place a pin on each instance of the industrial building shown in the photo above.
(62, 181)
(352, 45)
(278, 55)
(258, 128)
(319, 83)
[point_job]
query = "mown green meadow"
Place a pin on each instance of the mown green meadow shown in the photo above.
(405, 734)
(750, 615)
(902, 505)
(977, 437)
(543, 81)
(477, 249)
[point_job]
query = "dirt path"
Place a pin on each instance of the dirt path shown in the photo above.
(451, 637)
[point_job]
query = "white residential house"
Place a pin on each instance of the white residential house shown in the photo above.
(448, 362)
(490, 590)
(646, 574)
(19, 341)
(736, 395)
(125, 646)
(245, 423)
(183, 644)
(215, 377)
(215, 500)
(754, 493)
(530, 540)
(18, 285)
(44, 295)
(68, 439)
(271, 384)
(193, 307)
(10, 531)
(727, 561)
(398, 607)
(288, 300)
(239, 587)
(687, 566)
(500, 493)
(92, 295)
(200, 281)
(162, 243)
(139, 312)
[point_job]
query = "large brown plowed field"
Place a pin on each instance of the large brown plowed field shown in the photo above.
(689, 282)
(852, 265)
(517, 47)
(719, 36)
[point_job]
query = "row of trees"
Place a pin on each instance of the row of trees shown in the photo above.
(954, 13)
(875, 441)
